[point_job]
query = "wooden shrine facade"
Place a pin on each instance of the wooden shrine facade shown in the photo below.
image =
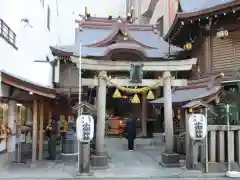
(211, 35)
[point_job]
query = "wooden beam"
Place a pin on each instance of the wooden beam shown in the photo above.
(41, 132)
(108, 65)
(126, 82)
(34, 134)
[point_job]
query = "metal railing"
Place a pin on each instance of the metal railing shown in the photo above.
(7, 34)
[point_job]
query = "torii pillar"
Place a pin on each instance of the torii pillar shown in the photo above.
(169, 158)
(100, 159)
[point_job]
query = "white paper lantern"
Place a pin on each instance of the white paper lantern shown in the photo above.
(197, 127)
(85, 128)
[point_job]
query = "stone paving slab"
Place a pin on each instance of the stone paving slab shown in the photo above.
(214, 178)
(143, 163)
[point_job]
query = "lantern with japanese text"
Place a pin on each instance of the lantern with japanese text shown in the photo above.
(85, 128)
(197, 127)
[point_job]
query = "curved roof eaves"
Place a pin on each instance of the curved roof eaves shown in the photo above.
(184, 15)
(187, 6)
(127, 46)
(63, 50)
(100, 51)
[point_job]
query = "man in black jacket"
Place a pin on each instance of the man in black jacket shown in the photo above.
(130, 130)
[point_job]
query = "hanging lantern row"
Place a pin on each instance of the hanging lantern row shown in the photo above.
(199, 20)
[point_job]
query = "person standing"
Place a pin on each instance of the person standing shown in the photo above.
(52, 133)
(130, 130)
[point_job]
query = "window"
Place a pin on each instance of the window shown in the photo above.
(7, 34)
(48, 18)
(160, 25)
(42, 2)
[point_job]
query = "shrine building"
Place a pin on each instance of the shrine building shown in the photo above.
(209, 31)
(105, 42)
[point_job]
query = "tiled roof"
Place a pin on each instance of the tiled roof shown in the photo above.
(183, 96)
(195, 90)
(26, 85)
(88, 36)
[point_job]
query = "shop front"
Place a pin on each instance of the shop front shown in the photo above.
(24, 109)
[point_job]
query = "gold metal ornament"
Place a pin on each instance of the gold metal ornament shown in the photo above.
(135, 99)
(150, 95)
(117, 94)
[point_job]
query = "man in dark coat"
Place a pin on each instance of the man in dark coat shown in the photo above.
(52, 132)
(130, 130)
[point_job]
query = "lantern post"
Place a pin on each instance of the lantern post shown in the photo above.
(83, 147)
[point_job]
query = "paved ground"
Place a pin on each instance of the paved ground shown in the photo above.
(116, 178)
(140, 164)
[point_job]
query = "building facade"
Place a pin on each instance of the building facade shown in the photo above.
(27, 30)
(161, 12)
(34, 29)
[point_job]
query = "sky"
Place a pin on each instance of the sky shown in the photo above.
(69, 11)
(100, 8)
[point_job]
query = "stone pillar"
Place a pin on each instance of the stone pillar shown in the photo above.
(144, 115)
(34, 133)
(188, 143)
(11, 140)
(221, 146)
(169, 158)
(100, 159)
(212, 146)
(231, 146)
(238, 146)
(168, 113)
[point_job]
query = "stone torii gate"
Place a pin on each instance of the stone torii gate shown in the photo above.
(167, 81)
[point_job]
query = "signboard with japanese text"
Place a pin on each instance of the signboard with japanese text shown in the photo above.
(197, 127)
(85, 128)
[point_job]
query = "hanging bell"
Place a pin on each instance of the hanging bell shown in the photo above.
(135, 99)
(116, 94)
(150, 95)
